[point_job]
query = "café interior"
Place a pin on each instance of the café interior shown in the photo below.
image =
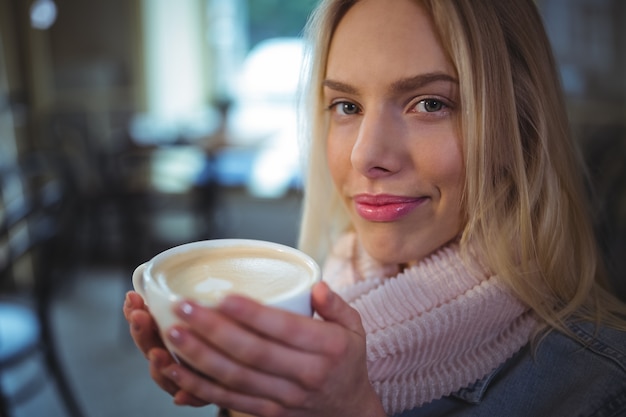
(131, 126)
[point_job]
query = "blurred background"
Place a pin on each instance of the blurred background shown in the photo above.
(130, 126)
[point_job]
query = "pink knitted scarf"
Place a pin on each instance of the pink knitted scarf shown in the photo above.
(432, 329)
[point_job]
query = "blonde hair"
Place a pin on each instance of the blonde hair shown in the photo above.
(524, 195)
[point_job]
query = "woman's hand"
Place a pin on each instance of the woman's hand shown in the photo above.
(146, 336)
(268, 362)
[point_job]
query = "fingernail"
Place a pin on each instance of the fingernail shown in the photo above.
(175, 336)
(172, 373)
(185, 309)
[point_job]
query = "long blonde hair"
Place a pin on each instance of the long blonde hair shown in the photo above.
(524, 195)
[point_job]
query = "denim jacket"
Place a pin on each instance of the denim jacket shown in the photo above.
(561, 377)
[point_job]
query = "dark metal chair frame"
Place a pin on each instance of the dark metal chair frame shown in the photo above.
(31, 226)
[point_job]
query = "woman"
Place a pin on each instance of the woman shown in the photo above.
(445, 199)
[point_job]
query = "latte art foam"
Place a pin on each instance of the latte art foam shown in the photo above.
(208, 275)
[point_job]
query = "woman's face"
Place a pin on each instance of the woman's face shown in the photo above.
(394, 151)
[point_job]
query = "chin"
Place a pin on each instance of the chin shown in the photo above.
(402, 247)
(395, 251)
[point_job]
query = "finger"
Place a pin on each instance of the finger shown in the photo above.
(229, 372)
(144, 331)
(243, 342)
(278, 355)
(332, 307)
(188, 399)
(293, 330)
(132, 302)
(160, 359)
(212, 392)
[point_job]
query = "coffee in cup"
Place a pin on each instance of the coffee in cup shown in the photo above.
(209, 274)
(207, 271)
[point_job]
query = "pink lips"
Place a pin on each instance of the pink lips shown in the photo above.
(385, 208)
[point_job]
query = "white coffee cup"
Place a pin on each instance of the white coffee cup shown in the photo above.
(206, 271)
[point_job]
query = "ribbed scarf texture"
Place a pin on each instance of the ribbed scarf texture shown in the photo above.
(433, 328)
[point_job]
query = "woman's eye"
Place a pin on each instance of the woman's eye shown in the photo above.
(345, 108)
(430, 105)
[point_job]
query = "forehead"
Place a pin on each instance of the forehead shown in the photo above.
(381, 39)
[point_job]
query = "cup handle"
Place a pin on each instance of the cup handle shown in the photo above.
(138, 280)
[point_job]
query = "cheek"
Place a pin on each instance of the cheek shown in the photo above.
(451, 175)
(338, 157)
(442, 166)
(445, 163)
(452, 169)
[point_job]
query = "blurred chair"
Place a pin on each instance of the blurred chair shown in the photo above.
(131, 199)
(166, 196)
(31, 215)
(90, 186)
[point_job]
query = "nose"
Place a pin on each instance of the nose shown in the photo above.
(376, 152)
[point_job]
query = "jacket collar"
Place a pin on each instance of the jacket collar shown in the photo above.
(474, 393)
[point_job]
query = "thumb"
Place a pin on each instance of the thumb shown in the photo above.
(331, 307)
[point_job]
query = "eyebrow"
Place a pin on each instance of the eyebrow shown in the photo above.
(399, 86)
